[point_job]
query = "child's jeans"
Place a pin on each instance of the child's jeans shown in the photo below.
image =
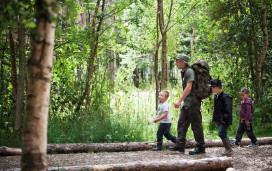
(222, 131)
(164, 130)
(242, 128)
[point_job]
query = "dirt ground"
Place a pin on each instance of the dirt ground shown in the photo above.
(244, 158)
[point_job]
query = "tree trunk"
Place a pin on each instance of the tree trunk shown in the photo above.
(163, 33)
(92, 56)
(136, 77)
(156, 63)
(219, 163)
(21, 79)
(13, 64)
(93, 52)
(112, 67)
(262, 56)
(120, 147)
(1, 70)
(153, 64)
(255, 44)
(34, 142)
(168, 71)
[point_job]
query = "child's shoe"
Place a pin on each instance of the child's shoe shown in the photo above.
(253, 144)
(235, 143)
(158, 147)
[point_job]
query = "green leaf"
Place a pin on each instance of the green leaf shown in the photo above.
(30, 25)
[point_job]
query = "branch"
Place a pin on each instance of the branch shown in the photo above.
(179, 8)
(169, 16)
(56, 47)
(109, 26)
(182, 17)
(125, 6)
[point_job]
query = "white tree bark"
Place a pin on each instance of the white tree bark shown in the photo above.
(34, 145)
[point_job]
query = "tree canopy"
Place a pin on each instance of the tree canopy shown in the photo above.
(107, 51)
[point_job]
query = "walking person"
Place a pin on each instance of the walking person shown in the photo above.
(222, 114)
(245, 122)
(164, 119)
(190, 109)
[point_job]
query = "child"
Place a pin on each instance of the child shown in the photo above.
(246, 115)
(165, 120)
(222, 114)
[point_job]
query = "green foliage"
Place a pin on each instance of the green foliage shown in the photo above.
(228, 36)
(263, 110)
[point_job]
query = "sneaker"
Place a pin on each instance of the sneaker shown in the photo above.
(253, 144)
(156, 149)
(235, 143)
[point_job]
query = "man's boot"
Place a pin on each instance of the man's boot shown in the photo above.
(158, 147)
(198, 150)
(174, 141)
(176, 148)
(227, 146)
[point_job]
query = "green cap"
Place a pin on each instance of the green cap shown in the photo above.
(184, 58)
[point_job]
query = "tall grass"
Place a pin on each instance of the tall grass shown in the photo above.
(127, 121)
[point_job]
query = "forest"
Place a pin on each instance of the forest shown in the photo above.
(89, 71)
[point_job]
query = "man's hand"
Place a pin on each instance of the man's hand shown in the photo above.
(177, 104)
(186, 92)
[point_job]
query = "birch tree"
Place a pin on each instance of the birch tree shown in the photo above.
(40, 64)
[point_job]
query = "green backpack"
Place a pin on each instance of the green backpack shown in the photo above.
(203, 78)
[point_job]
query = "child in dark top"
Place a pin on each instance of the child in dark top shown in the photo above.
(246, 115)
(222, 115)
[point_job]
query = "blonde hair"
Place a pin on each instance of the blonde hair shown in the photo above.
(166, 93)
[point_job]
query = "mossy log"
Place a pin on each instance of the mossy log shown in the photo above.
(118, 147)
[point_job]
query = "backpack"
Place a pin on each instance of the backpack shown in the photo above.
(203, 78)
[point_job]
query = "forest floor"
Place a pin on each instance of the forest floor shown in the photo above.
(244, 158)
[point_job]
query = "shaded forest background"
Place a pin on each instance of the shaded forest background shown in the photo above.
(110, 59)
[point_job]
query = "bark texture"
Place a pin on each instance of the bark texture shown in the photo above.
(163, 34)
(21, 79)
(156, 62)
(262, 56)
(119, 147)
(13, 64)
(34, 144)
(221, 163)
(92, 56)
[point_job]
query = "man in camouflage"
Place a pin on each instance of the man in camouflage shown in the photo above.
(190, 109)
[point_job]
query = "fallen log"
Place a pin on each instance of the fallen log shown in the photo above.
(221, 163)
(118, 147)
(7, 151)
